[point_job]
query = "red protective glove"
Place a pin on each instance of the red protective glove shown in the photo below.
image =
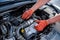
(41, 25)
(27, 14)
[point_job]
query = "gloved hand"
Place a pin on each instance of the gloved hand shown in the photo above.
(27, 14)
(41, 25)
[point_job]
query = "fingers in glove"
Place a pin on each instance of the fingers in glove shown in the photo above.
(38, 21)
(28, 16)
(24, 15)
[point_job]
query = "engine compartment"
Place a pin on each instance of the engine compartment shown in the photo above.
(13, 27)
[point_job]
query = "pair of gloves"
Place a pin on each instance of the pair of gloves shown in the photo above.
(41, 23)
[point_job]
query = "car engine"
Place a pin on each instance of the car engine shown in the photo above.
(13, 27)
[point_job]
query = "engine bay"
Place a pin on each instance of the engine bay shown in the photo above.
(13, 27)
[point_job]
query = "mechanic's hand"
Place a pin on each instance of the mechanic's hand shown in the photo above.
(41, 25)
(27, 14)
